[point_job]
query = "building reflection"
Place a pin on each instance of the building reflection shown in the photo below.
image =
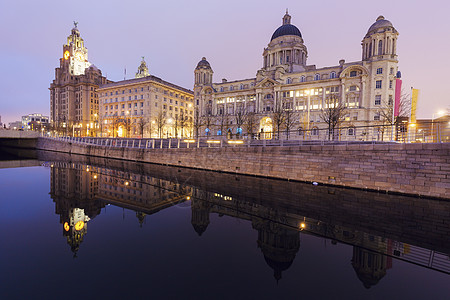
(80, 191)
(73, 188)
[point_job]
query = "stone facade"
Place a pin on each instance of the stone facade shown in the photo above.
(287, 83)
(419, 169)
(145, 106)
(73, 92)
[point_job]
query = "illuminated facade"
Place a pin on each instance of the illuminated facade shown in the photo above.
(286, 82)
(145, 106)
(73, 92)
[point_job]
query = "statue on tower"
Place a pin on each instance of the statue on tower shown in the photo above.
(75, 24)
(142, 70)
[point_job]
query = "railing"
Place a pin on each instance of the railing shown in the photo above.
(401, 133)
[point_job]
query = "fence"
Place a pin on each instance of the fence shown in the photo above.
(433, 132)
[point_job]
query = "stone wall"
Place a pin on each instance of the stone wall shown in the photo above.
(419, 169)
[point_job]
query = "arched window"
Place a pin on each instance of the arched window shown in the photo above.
(315, 131)
(242, 86)
(288, 81)
(317, 77)
(302, 79)
(300, 131)
(380, 47)
(221, 89)
(333, 75)
(352, 131)
(231, 88)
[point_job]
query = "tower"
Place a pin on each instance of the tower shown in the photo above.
(380, 41)
(73, 92)
(202, 95)
(286, 51)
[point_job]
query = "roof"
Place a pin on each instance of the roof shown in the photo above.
(144, 79)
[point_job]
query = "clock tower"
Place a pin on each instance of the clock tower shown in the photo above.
(74, 52)
(74, 100)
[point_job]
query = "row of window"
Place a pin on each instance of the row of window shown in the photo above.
(166, 92)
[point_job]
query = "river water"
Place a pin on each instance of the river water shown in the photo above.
(77, 227)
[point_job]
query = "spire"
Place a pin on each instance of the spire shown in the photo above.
(286, 18)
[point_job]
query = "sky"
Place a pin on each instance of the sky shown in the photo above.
(174, 35)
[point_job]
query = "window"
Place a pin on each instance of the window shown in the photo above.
(376, 117)
(380, 71)
(221, 89)
(390, 84)
(242, 86)
(300, 131)
(231, 88)
(390, 101)
(333, 75)
(378, 100)
(352, 88)
(391, 71)
(380, 47)
(315, 131)
(351, 131)
(317, 77)
(378, 84)
(353, 74)
(288, 81)
(302, 79)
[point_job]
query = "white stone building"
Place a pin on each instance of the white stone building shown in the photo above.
(286, 81)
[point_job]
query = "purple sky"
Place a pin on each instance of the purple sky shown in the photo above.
(174, 35)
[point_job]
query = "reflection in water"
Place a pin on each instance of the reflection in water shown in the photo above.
(279, 215)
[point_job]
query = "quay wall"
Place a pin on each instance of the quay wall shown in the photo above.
(416, 169)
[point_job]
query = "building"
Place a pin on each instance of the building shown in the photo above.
(73, 92)
(17, 125)
(287, 83)
(34, 122)
(145, 106)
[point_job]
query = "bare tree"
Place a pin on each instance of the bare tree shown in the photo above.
(250, 123)
(386, 111)
(198, 122)
(207, 121)
(141, 124)
(160, 121)
(333, 114)
(240, 117)
(224, 119)
(278, 118)
(290, 118)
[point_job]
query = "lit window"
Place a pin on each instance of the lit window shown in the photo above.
(378, 84)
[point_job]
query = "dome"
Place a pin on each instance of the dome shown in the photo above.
(203, 63)
(286, 29)
(380, 23)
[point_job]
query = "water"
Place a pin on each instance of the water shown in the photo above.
(78, 227)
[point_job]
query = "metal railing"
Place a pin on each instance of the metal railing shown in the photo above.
(401, 133)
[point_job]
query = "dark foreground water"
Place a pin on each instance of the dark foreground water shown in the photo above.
(75, 227)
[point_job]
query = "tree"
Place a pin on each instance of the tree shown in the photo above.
(290, 118)
(198, 122)
(250, 123)
(207, 121)
(224, 119)
(240, 117)
(332, 114)
(386, 112)
(160, 121)
(278, 118)
(141, 124)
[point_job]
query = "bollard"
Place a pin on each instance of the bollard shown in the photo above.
(170, 142)
(153, 144)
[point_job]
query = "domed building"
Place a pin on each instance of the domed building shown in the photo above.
(286, 82)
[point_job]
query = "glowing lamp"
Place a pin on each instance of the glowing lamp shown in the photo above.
(79, 225)
(66, 226)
